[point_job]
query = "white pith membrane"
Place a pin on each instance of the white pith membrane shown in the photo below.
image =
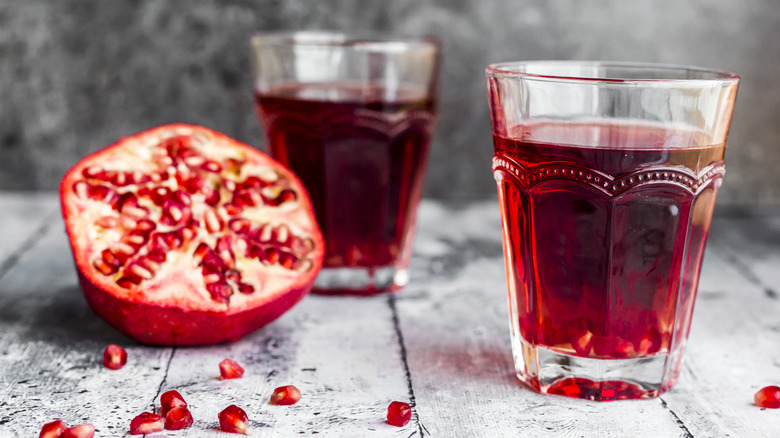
(179, 280)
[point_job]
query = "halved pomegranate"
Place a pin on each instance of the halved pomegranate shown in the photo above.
(184, 236)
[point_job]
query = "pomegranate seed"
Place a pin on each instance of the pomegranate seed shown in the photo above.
(230, 369)
(650, 343)
(146, 423)
(145, 225)
(80, 431)
(92, 172)
(55, 429)
(182, 197)
(211, 166)
(246, 288)
(285, 395)
(220, 292)
(103, 267)
(170, 400)
(114, 357)
(611, 346)
(582, 342)
(212, 196)
(399, 413)
(272, 255)
(178, 418)
(253, 182)
(107, 222)
(104, 194)
(768, 397)
(212, 221)
(234, 420)
(283, 235)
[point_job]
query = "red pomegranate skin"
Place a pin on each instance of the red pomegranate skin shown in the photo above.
(177, 322)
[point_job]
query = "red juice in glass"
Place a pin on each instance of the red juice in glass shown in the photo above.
(604, 242)
(352, 115)
(607, 174)
(361, 158)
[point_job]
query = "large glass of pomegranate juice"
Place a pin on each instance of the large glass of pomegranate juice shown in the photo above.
(352, 116)
(607, 175)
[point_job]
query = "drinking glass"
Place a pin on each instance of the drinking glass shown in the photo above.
(352, 116)
(607, 175)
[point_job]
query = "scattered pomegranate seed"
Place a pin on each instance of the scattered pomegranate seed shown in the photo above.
(146, 423)
(55, 429)
(230, 369)
(285, 395)
(171, 399)
(768, 397)
(233, 419)
(114, 357)
(178, 418)
(399, 414)
(80, 431)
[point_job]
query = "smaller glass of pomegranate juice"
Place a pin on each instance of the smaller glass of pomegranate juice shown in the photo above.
(607, 175)
(352, 116)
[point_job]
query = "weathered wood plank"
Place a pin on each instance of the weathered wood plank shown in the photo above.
(51, 350)
(342, 354)
(454, 320)
(734, 339)
(22, 215)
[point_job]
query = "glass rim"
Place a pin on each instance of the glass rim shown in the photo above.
(505, 70)
(375, 41)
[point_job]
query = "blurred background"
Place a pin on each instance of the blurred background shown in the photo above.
(76, 75)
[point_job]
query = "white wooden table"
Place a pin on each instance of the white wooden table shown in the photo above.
(441, 344)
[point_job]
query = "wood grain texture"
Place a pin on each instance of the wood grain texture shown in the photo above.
(442, 344)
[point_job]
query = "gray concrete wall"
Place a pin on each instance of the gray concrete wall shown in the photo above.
(77, 75)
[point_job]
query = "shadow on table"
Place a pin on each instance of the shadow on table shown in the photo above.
(58, 317)
(467, 365)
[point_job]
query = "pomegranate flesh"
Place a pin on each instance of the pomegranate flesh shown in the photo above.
(184, 236)
(234, 420)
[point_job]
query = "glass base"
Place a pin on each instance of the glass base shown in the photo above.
(552, 372)
(360, 281)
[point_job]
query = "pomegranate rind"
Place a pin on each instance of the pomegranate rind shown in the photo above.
(169, 319)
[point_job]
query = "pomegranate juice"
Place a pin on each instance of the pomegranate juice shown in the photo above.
(361, 156)
(604, 232)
